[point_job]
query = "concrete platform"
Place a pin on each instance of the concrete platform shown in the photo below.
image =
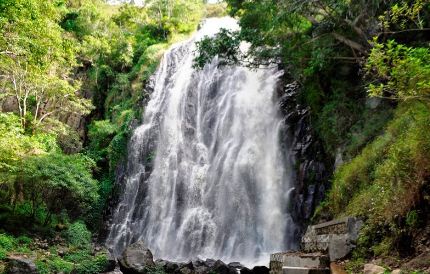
(304, 270)
(298, 263)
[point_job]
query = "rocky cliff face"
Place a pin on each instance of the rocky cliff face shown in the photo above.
(312, 164)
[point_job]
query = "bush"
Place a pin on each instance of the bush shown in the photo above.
(93, 265)
(59, 182)
(24, 240)
(78, 235)
(3, 254)
(100, 134)
(7, 242)
(54, 264)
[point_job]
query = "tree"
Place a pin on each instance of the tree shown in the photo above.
(36, 61)
(59, 182)
(399, 72)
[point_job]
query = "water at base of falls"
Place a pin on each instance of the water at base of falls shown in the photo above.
(206, 175)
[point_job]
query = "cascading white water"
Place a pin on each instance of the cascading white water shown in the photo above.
(206, 175)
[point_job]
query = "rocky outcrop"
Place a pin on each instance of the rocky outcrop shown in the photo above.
(337, 238)
(322, 244)
(313, 166)
(20, 265)
(136, 259)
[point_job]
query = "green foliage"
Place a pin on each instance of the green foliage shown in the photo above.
(7, 242)
(402, 72)
(78, 235)
(412, 219)
(35, 67)
(54, 264)
(61, 182)
(100, 134)
(226, 44)
(404, 14)
(337, 117)
(93, 265)
(385, 180)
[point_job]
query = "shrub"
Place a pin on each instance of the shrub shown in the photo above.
(7, 242)
(3, 254)
(76, 254)
(54, 264)
(78, 235)
(24, 240)
(59, 182)
(93, 265)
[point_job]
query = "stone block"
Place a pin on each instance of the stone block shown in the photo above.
(339, 247)
(336, 237)
(296, 262)
(304, 270)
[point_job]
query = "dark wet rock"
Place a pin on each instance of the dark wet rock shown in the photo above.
(260, 270)
(236, 265)
(187, 268)
(245, 270)
(313, 164)
(210, 262)
(168, 267)
(111, 263)
(20, 265)
(201, 267)
(221, 268)
(136, 259)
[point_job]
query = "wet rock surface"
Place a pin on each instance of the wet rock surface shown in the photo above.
(20, 265)
(313, 165)
(136, 259)
(199, 267)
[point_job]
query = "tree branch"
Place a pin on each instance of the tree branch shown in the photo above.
(349, 42)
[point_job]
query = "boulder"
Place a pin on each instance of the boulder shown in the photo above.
(260, 270)
(210, 262)
(187, 268)
(20, 265)
(245, 271)
(136, 259)
(337, 237)
(221, 268)
(168, 267)
(235, 265)
(373, 269)
(396, 271)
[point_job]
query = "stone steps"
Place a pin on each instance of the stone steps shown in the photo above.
(304, 270)
(322, 243)
(299, 263)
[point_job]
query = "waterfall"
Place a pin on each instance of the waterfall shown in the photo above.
(206, 174)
